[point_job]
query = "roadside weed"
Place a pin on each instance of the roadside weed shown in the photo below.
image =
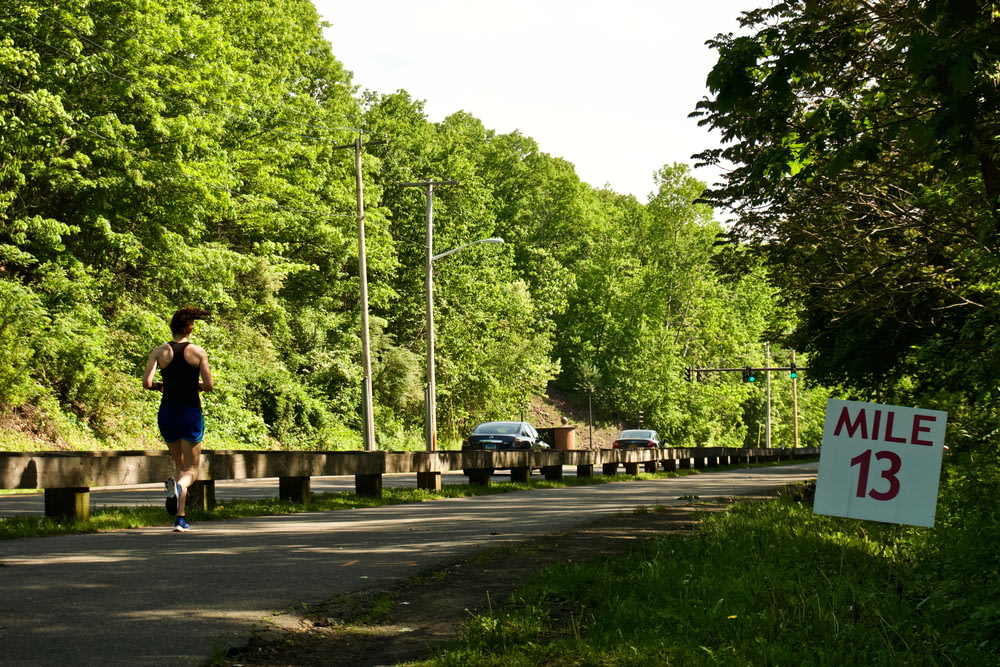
(762, 584)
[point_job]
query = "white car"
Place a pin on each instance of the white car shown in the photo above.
(637, 439)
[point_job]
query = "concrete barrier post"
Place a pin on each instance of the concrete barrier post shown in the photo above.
(296, 489)
(368, 486)
(480, 476)
(201, 495)
(429, 481)
(68, 503)
(554, 473)
(520, 475)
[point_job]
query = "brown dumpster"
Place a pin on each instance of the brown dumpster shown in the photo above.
(564, 436)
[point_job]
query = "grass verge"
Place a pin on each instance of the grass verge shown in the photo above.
(121, 518)
(766, 583)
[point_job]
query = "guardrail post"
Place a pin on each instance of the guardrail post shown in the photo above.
(554, 473)
(201, 495)
(521, 475)
(609, 468)
(429, 481)
(480, 476)
(68, 503)
(296, 489)
(585, 470)
(368, 486)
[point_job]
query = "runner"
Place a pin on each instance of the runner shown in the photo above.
(185, 373)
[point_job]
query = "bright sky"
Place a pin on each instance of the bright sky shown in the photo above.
(605, 85)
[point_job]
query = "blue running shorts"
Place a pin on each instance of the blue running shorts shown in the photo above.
(181, 422)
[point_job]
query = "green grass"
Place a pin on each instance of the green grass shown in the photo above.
(766, 583)
(121, 518)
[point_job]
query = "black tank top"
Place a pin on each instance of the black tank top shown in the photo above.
(180, 379)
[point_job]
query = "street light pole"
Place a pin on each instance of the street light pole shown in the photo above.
(431, 382)
(430, 418)
(430, 400)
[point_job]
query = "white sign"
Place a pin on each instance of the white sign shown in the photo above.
(880, 462)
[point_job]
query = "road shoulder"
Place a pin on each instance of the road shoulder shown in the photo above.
(408, 622)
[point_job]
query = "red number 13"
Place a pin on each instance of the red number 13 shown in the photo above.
(864, 460)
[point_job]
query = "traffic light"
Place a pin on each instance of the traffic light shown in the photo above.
(749, 375)
(793, 372)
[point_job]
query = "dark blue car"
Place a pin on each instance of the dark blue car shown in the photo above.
(504, 435)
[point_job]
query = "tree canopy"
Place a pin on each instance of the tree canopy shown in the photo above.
(157, 154)
(864, 139)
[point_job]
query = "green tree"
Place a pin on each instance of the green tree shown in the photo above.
(157, 154)
(492, 341)
(864, 144)
(649, 302)
(161, 153)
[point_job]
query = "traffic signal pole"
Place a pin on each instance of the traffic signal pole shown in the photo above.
(751, 374)
(790, 369)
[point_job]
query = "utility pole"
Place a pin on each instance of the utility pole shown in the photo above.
(367, 409)
(366, 352)
(430, 401)
(767, 393)
(795, 404)
(590, 418)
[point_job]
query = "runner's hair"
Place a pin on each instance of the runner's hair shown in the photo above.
(184, 317)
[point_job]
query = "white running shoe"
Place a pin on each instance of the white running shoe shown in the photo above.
(173, 491)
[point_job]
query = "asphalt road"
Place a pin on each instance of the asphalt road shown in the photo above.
(153, 597)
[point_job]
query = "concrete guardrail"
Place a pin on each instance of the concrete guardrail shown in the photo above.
(67, 477)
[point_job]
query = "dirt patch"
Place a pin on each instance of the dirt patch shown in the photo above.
(409, 622)
(30, 424)
(549, 410)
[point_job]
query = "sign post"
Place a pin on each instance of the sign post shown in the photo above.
(880, 462)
